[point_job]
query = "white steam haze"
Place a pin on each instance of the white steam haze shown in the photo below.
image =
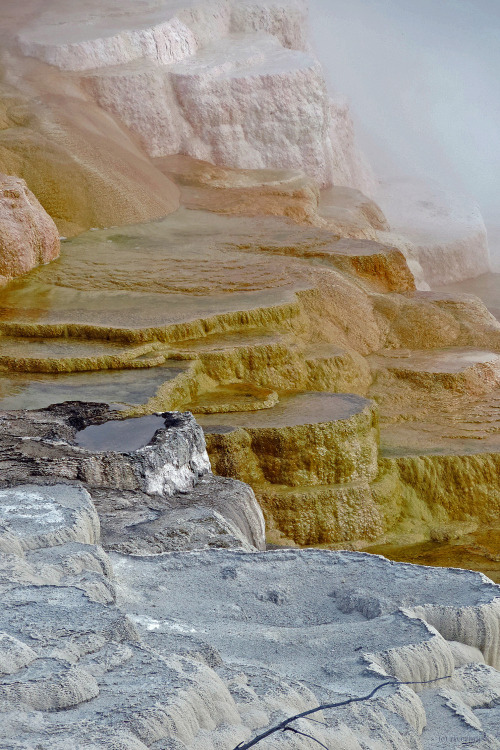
(423, 81)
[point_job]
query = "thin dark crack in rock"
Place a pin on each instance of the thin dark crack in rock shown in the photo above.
(284, 725)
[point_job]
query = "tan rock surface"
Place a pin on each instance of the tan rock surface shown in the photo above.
(350, 209)
(244, 192)
(307, 440)
(82, 166)
(344, 211)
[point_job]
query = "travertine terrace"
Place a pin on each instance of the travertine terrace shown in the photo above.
(227, 252)
(261, 287)
(240, 314)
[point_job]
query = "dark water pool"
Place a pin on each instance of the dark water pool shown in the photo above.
(122, 435)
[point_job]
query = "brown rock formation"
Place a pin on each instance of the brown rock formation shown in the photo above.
(247, 192)
(344, 211)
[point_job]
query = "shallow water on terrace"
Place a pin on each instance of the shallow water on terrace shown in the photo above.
(123, 435)
(33, 301)
(301, 409)
(182, 268)
(39, 348)
(477, 551)
(116, 387)
(451, 361)
(148, 276)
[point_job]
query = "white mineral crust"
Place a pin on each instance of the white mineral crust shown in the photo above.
(228, 81)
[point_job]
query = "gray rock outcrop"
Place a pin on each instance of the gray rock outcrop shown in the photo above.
(158, 498)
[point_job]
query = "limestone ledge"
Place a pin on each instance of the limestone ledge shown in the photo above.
(434, 493)
(465, 371)
(18, 354)
(224, 105)
(309, 439)
(335, 604)
(334, 515)
(162, 33)
(277, 192)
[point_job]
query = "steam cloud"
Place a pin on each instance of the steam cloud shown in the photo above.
(423, 78)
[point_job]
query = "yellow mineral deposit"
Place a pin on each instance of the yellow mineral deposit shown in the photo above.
(363, 408)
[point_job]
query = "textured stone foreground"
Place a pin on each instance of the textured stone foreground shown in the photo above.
(202, 650)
